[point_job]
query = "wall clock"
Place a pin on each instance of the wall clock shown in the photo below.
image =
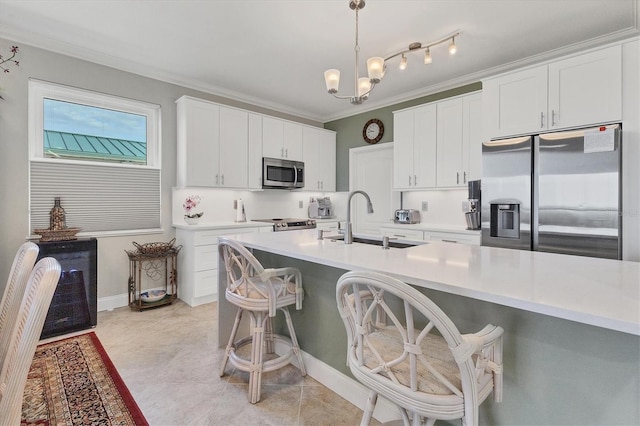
(373, 131)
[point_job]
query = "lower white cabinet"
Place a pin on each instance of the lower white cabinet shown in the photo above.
(462, 237)
(453, 237)
(198, 264)
(405, 234)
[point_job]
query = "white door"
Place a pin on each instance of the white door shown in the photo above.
(371, 170)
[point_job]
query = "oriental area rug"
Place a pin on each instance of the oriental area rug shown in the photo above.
(73, 382)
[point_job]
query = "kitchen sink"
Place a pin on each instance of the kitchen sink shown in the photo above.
(376, 242)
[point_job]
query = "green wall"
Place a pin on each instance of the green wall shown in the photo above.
(349, 129)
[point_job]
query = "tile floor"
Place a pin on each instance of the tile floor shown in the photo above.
(169, 360)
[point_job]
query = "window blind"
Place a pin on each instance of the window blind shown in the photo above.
(96, 198)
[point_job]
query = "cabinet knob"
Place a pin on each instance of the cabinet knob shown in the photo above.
(542, 120)
(457, 178)
(553, 117)
(222, 179)
(415, 180)
(464, 177)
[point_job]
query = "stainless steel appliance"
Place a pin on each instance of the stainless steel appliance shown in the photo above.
(289, 224)
(554, 192)
(473, 215)
(320, 208)
(282, 174)
(406, 216)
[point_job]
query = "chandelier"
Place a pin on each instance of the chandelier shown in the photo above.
(376, 66)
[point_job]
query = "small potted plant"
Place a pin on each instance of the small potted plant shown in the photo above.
(189, 205)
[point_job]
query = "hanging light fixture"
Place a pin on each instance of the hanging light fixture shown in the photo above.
(376, 66)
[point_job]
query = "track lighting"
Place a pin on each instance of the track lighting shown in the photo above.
(427, 56)
(452, 47)
(376, 66)
(403, 63)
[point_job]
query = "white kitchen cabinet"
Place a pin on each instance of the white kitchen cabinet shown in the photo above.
(472, 136)
(578, 91)
(198, 260)
(450, 169)
(319, 156)
(402, 233)
(281, 139)
(254, 175)
(586, 89)
(414, 148)
(212, 144)
(453, 237)
(331, 226)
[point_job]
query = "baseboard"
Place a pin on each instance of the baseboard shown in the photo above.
(343, 385)
(112, 302)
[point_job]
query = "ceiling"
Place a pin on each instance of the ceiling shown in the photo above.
(273, 53)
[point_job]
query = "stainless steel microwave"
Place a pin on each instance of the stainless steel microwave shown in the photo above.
(282, 174)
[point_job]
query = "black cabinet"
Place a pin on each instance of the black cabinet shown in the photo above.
(74, 306)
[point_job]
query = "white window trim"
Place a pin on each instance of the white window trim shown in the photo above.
(39, 90)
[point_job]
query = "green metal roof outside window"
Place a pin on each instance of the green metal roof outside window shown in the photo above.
(87, 147)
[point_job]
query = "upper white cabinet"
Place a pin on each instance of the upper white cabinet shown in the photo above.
(212, 144)
(319, 156)
(281, 139)
(450, 168)
(577, 91)
(438, 145)
(414, 148)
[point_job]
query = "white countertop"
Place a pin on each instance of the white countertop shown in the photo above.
(203, 226)
(593, 291)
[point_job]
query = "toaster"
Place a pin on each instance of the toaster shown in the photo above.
(407, 216)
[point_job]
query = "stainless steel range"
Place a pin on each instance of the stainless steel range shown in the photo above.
(289, 224)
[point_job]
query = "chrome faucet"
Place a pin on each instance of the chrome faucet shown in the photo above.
(348, 235)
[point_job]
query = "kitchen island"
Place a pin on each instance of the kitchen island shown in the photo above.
(572, 324)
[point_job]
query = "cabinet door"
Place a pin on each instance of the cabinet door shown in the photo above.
(586, 89)
(425, 146)
(403, 133)
(201, 143)
(328, 161)
(515, 103)
(449, 167)
(254, 164)
(292, 141)
(472, 136)
(311, 147)
(319, 156)
(272, 137)
(234, 147)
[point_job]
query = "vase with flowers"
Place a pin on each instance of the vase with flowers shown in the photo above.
(191, 217)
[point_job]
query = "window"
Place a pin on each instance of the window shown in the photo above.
(99, 153)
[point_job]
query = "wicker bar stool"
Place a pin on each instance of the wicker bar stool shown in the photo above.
(260, 292)
(403, 347)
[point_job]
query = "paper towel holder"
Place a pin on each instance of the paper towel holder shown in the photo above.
(238, 205)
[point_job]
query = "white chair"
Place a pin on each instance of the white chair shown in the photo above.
(403, 347)
(24, 338)
(21, 268)
(260, 292)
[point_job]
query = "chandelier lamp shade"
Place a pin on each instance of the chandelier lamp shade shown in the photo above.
(377, 66)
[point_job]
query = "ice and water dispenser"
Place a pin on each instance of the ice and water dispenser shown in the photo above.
(505, 219)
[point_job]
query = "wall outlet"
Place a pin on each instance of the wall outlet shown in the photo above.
(425, 206)
(300, 204)
(465, 206)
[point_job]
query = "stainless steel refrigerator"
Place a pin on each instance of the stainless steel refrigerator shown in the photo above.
(554, 192)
